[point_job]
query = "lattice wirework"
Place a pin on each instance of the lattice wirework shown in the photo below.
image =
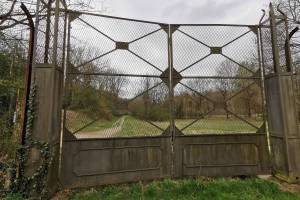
(281, 42)
(123, 70)
(49, 41)
(114, 84)
(266, 48)
(218, 106)
(221, 87)
(115, 106)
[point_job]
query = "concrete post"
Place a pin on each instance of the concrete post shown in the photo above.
(282, 115)
(47, 124)
(283, 126)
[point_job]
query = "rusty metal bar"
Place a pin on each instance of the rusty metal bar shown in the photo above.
(28, 71)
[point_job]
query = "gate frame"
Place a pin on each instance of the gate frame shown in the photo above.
(257, 164)
(53, 122)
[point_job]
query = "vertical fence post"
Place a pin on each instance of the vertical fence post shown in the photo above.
(282, 118)
(48, 106)
(55, 39)
(28, 70)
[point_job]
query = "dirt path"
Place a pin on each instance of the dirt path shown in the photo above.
(109, 132)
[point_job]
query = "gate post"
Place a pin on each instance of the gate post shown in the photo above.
(281, 110)
(48, 81)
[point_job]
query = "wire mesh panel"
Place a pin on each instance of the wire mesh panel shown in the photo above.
(114, 84)
(119, 78)
(49, 46)
(220, 86)
(266, 47)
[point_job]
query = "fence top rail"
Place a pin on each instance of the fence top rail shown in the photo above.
(154, 22)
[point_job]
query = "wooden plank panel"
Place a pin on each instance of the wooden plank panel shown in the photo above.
(221, 155)
(116, 160)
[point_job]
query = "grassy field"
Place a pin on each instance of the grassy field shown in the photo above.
(217, 125)
(133, 126)
(136, 127)
(100, 125)
(213, 189)
(76, 121)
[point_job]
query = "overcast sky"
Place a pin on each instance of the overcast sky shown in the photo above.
(189, 11)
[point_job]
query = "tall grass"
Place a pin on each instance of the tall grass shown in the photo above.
(215, 189)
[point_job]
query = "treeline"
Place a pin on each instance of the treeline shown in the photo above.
(12, 64)
(100, 91)
(97, 96)
(236, 93)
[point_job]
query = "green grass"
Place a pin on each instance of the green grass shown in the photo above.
(13, 197)
(100, 125)
(133, 126)
(77, 120)
(217, 125)
(216, 189)
(136, 127)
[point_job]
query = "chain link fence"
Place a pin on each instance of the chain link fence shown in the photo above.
(113, 82)
(118, 78)
(220, 89)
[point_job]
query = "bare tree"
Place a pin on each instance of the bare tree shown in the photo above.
(201, 86)
(225, 86)
(247, 88)
(114, 83)
(292, 9)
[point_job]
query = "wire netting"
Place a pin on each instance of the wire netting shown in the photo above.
(220, 89)
(113, 81)
(118, 78)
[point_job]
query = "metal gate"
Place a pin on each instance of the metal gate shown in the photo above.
(147, 100)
